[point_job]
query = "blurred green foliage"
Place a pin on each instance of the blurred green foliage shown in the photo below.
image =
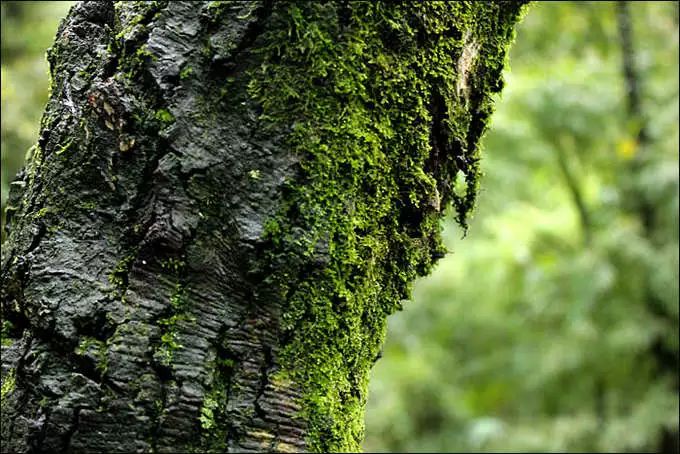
(541, 330)
(28, 29)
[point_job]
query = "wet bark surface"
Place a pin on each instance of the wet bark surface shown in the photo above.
(104, 362)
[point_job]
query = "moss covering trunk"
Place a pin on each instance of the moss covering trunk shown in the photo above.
(226, 201)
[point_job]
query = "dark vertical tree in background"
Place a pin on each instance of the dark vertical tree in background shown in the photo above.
(666, 354)
(225, 202)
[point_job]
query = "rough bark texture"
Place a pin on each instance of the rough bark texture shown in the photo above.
(226, 201)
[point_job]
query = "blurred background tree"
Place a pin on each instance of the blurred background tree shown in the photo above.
(554, 324)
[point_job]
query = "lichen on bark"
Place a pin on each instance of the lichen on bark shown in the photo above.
(226, 201)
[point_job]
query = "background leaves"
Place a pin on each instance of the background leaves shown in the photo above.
(540, 331)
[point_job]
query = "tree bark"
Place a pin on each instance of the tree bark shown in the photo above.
(226, 201)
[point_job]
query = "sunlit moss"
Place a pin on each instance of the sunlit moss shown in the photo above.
(164, 116)
(8, 383)
(385, 105)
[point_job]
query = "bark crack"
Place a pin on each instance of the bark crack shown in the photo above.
(73, 428)
(267, 364)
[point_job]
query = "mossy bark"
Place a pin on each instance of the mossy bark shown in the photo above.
(226, 201)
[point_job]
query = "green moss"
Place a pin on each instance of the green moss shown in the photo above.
(88, 205)
(213, 415)
(169, 335)
(132, 64)
(8, 384)
(169, 343)
(186, 72)
(173, 264)
(382, 115)
(42, 212)
(164, 116)
(5, 338)
(207, 417)
(119, 275)
(137, 19)
(96, 349)
(64, 147)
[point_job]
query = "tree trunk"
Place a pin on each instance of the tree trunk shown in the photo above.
(226, 201)
(666, 355)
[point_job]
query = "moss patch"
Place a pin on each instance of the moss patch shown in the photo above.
(382, 122)
(118, 277)
(214, 413)
(95, 350)
(168, 325)
(5, 337)
(164, 116)
(8, 384)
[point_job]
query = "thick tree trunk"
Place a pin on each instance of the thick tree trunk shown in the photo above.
(226, 201)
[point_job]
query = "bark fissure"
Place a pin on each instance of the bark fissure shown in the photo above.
(71, 430)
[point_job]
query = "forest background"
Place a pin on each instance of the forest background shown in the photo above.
(553, 325)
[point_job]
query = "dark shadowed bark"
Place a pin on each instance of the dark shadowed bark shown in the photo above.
(226, 201)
